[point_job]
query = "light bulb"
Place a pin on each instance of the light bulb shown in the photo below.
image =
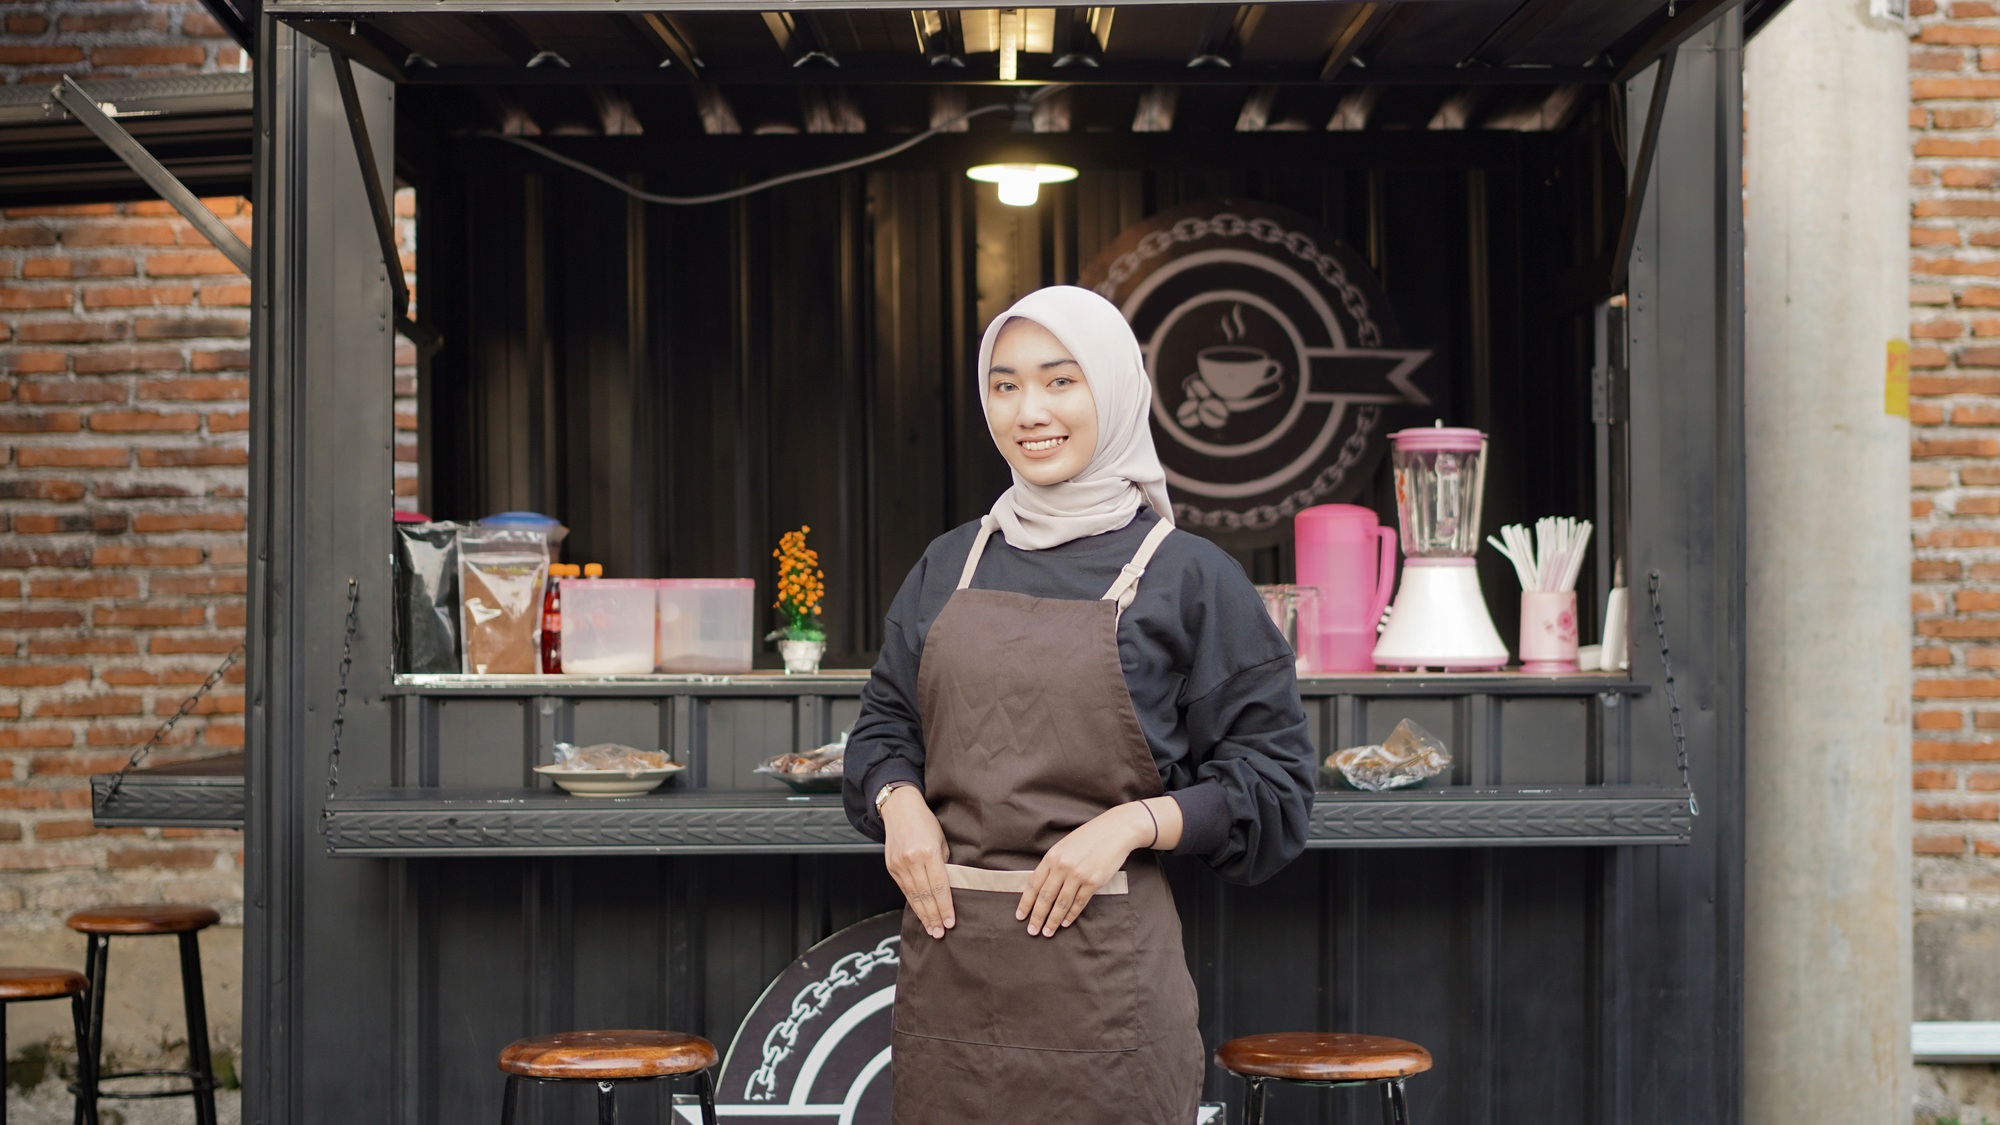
(1019, 187)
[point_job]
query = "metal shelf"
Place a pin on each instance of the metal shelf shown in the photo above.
(415, 823)
(200, 794)
(848, 682)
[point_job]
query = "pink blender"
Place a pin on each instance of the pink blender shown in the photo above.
(1346, 553)
(1440, 619)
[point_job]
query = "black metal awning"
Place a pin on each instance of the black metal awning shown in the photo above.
(199, 126)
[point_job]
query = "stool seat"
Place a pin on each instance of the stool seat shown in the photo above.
(1316, 1056)
(39, 984)
(606, 1055)
(162, 918)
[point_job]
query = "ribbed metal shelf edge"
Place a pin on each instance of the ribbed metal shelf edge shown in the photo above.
(410, 824)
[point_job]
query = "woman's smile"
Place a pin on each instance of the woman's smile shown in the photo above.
(1041, 447)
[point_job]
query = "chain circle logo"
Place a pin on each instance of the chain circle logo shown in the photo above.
(1275, 382)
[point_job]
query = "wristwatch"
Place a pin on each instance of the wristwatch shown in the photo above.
(882, 794)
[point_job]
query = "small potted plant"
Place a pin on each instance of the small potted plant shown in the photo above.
(801, 584)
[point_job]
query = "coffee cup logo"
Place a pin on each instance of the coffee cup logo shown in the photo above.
(1229, 378)
(1275, 369)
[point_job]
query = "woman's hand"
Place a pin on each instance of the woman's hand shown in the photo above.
(914, 846)
(1080, 864)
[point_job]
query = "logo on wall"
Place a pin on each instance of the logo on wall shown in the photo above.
(1271, 347)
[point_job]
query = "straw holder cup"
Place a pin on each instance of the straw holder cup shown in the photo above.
(1548, 631)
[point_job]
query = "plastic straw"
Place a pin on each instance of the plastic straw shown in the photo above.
(1549, 559)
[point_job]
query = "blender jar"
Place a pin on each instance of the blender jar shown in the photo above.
(1440, 476)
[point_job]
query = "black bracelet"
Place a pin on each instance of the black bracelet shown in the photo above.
(1156, 823)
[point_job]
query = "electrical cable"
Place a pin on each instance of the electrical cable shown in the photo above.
(774, 181)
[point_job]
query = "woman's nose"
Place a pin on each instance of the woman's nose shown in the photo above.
(1035, 409)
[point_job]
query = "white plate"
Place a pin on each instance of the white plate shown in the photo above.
(608, 783)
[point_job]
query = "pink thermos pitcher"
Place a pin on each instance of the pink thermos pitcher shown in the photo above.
(1346, 552)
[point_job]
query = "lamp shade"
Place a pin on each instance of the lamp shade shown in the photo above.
(1020, 183)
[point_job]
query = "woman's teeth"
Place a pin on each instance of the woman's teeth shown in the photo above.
(1044, 443)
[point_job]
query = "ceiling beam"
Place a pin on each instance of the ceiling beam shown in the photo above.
(1514, 34)
(1256, 112)
(1348, 41)
(718, 117)
(1075, 39)
(1034, 70)
(614, 112)
(1351, 115)
(800, 38)
(940, 37)
(666, 39)
(1156, 110)
(1223, 37)
(502, 35)
(1692, 17)
(828, 109)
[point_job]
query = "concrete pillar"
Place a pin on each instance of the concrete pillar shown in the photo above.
(1827, 965)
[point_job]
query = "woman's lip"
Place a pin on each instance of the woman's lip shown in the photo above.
(1037, 454)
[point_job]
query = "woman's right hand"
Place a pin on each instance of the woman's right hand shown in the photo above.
(914, 846)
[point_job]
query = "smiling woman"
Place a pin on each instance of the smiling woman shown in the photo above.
(1041, 724)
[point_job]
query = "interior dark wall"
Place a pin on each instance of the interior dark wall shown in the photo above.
(681, 385)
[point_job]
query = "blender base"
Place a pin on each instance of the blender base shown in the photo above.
(1440, 621)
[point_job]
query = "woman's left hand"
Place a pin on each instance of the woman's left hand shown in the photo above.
(1079, 865)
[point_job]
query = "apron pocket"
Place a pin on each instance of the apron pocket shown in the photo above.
(989, 982)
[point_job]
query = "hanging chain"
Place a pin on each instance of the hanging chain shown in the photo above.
(187, 707)
(1673, 696)
(340, 695)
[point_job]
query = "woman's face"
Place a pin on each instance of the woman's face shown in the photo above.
(1039, 405)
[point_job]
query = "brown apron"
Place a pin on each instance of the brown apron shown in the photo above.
(1029, 732)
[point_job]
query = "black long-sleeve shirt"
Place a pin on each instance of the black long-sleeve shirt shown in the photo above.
(1213, 682)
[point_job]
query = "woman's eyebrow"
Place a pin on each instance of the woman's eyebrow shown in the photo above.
(1060, 363)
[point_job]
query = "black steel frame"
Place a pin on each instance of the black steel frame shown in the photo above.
(329, 948)
(79, 1013)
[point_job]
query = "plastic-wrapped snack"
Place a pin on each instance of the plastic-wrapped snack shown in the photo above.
(629, 760)
(1407, 757)
(814, 769)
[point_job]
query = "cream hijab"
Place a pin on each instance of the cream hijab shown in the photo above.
(1124, 472)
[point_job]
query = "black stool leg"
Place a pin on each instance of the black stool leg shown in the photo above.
(96, 963)
(86, 1067)
(1253, 1105)
(507, 1100)
(705, 1090)
(607, 1103)
(197, 1030)
(1395, 1106)
(3, 1064)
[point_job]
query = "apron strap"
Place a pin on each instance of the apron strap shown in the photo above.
(986, 525)
(1127, 586)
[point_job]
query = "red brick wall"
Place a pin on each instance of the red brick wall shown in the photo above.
(1955, 442)
(123, 445)
(124, 418)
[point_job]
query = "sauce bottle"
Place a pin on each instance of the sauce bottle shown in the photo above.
(552, 617)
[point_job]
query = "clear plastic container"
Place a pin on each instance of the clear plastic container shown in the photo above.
(706, 624)
(607, 626)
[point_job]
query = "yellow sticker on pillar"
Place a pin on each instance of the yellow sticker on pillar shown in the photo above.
(1896, 382)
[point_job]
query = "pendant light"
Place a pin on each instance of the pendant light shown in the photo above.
(1020, 183)
(1020, 167)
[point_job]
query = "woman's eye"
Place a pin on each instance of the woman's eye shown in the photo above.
(1061, 381)
(999, 388)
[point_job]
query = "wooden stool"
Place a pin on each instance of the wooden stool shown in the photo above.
(17, 985)
(186, 922)
(609, 1058)
(1315, 1058)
